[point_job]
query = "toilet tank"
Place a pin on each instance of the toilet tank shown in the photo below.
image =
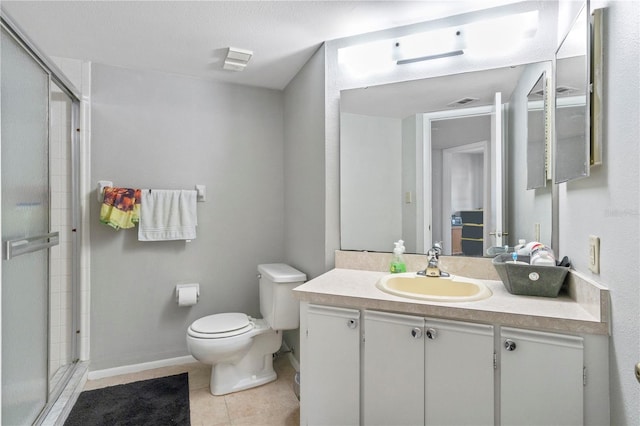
(277, 304)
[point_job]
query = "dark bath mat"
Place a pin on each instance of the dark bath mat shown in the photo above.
(158, 402)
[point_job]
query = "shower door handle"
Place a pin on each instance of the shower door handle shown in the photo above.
(20, 246)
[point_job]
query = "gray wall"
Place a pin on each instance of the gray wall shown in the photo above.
(370, 182)
(153, 130)
(304, 164)
(304, 168)
(411, 168)
(607, 204)
(534, 205)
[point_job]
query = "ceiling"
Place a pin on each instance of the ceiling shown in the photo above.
(191, 37)
(400, 100)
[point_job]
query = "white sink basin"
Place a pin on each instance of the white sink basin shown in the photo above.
(437, 289)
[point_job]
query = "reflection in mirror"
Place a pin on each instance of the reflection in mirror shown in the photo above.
(537, 135)
(461, 183)
(572, 103)
(530, 211)
(385, 171)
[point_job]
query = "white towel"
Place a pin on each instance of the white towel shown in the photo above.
(167, 215)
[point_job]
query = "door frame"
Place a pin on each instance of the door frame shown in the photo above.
(428, 118)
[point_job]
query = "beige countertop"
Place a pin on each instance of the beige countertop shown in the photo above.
(357, 289)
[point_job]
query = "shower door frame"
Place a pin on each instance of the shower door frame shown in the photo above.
(56, 76)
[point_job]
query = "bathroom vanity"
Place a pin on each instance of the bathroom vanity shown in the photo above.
(368, 357)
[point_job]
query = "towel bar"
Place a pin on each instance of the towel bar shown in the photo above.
(102, 184)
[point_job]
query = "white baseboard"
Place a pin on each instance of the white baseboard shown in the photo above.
(292, 359)
(136, 368)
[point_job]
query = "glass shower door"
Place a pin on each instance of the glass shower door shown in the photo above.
(25, 234)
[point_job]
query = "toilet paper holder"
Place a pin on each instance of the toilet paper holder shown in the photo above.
(184, 286)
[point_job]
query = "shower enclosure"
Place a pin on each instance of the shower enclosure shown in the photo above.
(39, 230)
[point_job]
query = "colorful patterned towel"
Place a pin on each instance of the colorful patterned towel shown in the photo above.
(120, 207)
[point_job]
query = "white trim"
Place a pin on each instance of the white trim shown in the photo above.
(426, 178)
(136, 368)
(493, 220)
(292, 359)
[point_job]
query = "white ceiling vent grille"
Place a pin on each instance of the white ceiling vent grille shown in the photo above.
(461, 102)
(237, 59)
(565, 90)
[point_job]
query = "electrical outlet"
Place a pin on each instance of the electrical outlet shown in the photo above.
(594, 254)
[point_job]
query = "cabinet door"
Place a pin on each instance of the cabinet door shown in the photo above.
(459, 373)
(333, 360)
(393, 382)
(541, 378)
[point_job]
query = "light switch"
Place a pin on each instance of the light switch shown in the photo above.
(408, 197)
(594, 254)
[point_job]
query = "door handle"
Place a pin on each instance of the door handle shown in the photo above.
(431, 333)
(21, 246)
(509, 345)
(416, 333)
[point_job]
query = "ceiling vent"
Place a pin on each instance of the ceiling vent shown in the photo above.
(462, 102)
(537, 93)
(237, 59)
(565, 90)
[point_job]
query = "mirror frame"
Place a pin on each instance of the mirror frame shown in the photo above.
(537, 101)
(592, 93)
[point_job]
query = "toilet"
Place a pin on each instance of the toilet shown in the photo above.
(240, 348)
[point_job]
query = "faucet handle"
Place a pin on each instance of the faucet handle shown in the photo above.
(437, 248)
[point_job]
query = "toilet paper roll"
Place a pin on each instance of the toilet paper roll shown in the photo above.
(187, 296)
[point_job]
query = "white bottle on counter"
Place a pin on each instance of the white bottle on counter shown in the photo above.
(542, 256)
(528, 248)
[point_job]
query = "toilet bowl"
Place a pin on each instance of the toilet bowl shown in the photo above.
(240, 348)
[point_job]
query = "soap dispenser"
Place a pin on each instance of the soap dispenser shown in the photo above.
(397, 264)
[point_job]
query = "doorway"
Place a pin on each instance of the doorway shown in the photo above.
(465, 184)
(463, 134)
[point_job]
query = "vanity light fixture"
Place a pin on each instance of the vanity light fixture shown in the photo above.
(497, 36)
(500, 36)
(427, 46)
(367, 58)
(237, 59)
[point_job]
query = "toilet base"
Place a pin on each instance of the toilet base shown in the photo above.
(228, 378)
(254, 369)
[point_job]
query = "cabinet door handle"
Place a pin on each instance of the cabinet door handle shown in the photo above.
(510, 345)
(352, 323)
(431, 333)
(416, 333)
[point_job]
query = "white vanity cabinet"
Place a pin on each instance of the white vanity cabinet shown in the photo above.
(541, 378)
(393, 371)
(330, 367)
(459, 373)
(426, 371)
(368, 367)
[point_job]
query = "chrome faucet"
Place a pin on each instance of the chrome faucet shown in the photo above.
(433, 267)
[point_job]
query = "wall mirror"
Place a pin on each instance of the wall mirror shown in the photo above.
(393, 188)
(537, 141)
(578, 98)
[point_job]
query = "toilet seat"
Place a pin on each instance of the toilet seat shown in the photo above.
(218, 326)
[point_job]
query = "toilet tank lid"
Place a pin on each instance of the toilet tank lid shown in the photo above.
(281, 273)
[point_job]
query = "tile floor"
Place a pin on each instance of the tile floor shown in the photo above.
(272, 404)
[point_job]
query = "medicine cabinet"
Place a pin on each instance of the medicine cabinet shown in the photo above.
(578, 119)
